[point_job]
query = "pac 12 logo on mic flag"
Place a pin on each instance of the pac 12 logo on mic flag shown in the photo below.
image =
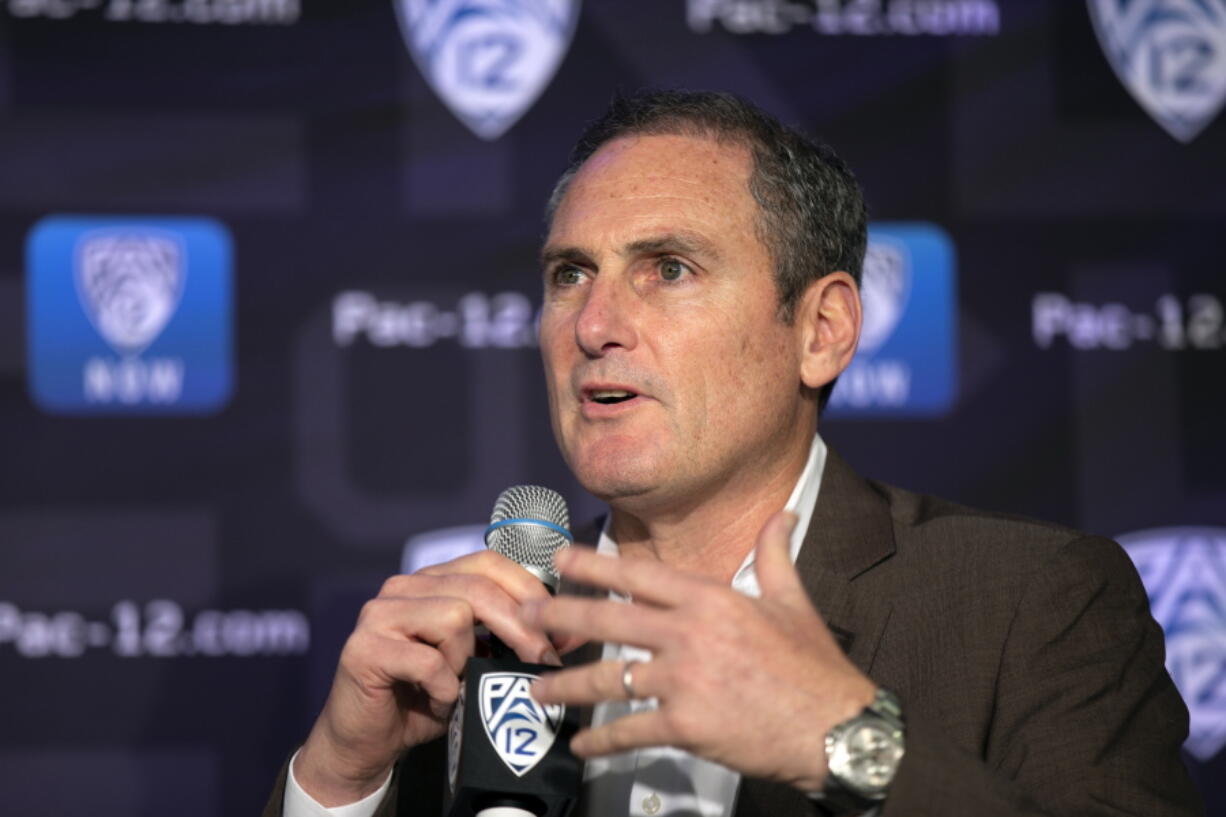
(520, 729)
(1170, 55)
(488, 60)
(129, 315)
(906, 364)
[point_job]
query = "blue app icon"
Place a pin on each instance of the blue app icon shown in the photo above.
(129, 315)
(906, 365)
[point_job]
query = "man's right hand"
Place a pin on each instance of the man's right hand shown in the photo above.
(399, 672)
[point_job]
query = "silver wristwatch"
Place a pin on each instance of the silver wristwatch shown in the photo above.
(862, 755)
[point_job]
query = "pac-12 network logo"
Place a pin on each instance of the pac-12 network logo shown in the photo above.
(129, 315)
(520, 729)
(1184, 571)
(906, 364)
(1170, 55)
(488, 60)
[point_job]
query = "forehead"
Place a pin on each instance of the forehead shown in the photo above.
(665, 181)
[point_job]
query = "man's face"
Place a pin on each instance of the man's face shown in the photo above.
(670, 375)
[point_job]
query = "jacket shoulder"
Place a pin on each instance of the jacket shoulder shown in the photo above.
(921, 520)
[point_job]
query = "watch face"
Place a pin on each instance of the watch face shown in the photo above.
(867, 757)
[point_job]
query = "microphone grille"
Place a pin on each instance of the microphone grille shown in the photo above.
(529, 525)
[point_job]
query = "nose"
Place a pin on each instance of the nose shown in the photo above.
(606, 320)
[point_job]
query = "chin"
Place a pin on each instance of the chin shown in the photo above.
(610, 478)
(611, 486)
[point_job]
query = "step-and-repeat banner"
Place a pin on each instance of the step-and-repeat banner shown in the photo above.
(268, 303)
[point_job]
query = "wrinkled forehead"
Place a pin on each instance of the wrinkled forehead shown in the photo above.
(652, 178)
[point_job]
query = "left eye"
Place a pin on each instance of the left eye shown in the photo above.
(672, 269)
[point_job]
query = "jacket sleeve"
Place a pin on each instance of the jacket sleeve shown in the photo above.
(1086, 721)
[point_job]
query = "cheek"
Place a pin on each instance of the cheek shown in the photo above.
(556, 380)
(554, 349)
(709, 388)
(757, 371)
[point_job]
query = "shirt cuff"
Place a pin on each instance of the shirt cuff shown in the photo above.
(297, 803)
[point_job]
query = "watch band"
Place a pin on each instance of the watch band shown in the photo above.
(886, 705)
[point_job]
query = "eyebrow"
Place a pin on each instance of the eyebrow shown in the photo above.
(682, 242)
(572, 255)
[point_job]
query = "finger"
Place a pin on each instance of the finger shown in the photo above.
(644, 580)
(455, 639)
(593, 683)
(445, 623)
(634, 731)
(567, 642)
(491, 605)
(601, 620)
(517, 582)
(777, 574)
(382, 661)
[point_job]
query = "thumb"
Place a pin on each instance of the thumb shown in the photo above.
(773, 557)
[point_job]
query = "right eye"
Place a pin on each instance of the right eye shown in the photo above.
(567, 275)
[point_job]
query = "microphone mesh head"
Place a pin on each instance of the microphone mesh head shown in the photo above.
(529, 543)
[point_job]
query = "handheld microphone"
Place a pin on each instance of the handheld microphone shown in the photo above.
(507, 755)
(528, 525)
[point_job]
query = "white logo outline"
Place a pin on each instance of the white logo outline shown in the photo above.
(1170, 55)
(488, 60)
(885, 289)
(520, 729)
(1184, 573)
(130, 283)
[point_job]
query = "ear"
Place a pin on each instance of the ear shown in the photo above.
(827, 322)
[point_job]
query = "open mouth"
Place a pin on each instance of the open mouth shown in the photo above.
(610, 397)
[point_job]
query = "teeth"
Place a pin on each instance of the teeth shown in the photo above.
(609, 394)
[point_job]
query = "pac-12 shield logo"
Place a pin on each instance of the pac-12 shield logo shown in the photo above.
(129, 315)
(1184, 571)
(1170, 55)
(906, 363)
(129, 283)
(885, 287)
(488, 60)
(520, 729)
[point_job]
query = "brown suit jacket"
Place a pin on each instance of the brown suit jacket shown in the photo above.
(1030, 670)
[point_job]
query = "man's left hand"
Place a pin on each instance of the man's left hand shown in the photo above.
(753, 684)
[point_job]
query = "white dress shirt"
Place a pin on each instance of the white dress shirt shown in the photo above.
(653, 782)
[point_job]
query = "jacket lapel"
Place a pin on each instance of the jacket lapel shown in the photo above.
(851, 532)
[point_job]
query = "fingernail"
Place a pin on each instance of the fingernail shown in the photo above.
(550, 656)
(561, 558)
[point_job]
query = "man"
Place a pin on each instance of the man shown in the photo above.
(700, 300)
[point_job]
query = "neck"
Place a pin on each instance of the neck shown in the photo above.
(710, 535)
